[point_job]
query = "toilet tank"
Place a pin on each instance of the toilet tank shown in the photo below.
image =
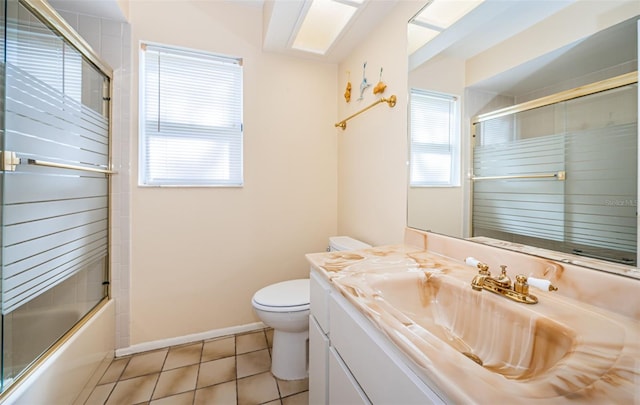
(345, 243)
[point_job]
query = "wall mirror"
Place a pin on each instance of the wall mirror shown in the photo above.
(546, 169)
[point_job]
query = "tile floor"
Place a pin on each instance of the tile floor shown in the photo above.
(227, 370)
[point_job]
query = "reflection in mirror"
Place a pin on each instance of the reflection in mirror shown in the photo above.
(561, 176)
(435, 17)
(586, 213)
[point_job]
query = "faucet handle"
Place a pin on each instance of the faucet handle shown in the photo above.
(472, 261)
(521, 284)
(544, 285)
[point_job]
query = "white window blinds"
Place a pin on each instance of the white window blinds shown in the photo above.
(435, 139)
(190, 118)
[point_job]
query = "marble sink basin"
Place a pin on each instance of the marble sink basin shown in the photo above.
(500, 336)
(539, 348)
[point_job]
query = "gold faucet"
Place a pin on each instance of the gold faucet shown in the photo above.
(518, 291)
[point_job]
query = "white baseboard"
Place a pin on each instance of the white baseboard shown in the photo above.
(180, 340)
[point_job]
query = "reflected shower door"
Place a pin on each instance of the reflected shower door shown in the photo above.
(590, 210)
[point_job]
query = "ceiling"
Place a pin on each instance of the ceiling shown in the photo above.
(490, 23)
(98, 8)
(496, 20)
(610, 47)
(282, 19)
(487, 25)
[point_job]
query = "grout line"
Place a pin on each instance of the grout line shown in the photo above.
(266, 340)
(235, 359)
(195, 389)
(153, 391)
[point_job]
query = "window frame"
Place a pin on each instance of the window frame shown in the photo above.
(230, 136)
(452, 149)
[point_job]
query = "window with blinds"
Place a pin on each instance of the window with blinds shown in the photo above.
(190, 118)
(435, 139)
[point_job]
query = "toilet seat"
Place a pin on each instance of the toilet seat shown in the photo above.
(286, 296)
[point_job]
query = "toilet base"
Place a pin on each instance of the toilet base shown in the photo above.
(290, 354)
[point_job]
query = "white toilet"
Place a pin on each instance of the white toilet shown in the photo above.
(284, 306)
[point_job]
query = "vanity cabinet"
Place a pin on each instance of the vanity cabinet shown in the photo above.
(344, 389)
(318, 364)
(351, 361)
(319, 340)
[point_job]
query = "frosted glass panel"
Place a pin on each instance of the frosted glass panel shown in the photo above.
(533, 207)
(593, 139)
(55, 220)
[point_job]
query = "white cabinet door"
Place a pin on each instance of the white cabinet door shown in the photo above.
(373, 361)
(319, 290)
(344, 389)
(318, 364)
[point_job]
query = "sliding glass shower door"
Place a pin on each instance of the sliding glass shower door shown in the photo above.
(55, 187)
(563, 176)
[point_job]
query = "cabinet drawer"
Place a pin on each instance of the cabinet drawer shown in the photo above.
(318, 364)
(344, 388)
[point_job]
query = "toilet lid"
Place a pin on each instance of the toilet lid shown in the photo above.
(292, 293)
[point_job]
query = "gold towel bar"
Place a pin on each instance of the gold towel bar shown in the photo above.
(64, 166)
(561, 175)
(391, 101)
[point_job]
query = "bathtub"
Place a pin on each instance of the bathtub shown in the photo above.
(30, 332)
(73, 363)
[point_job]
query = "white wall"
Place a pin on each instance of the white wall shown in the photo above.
(441, 209)
(372, 151)
(199, 254)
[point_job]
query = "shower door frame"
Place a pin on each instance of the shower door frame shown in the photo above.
(563, 96)
(57, 24)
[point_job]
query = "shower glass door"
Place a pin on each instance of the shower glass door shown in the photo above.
(562, 176)
(55, 189)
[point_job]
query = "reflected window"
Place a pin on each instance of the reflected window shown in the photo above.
(435, 139)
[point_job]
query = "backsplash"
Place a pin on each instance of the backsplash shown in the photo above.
(605, 290)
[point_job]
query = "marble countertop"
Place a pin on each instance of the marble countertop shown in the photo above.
(561, 350)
